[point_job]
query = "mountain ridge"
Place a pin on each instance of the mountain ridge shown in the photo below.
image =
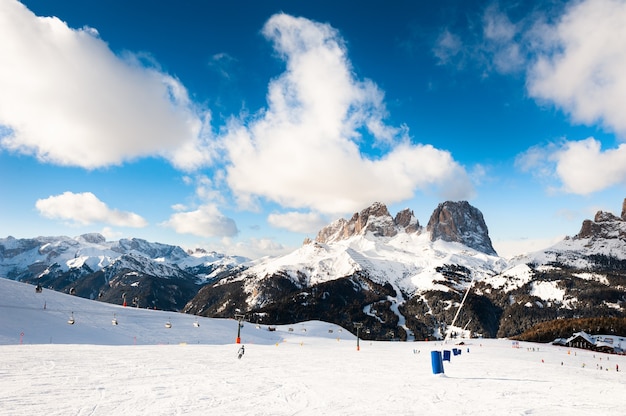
(402, 280)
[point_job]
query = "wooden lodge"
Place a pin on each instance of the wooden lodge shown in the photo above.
(610, 344)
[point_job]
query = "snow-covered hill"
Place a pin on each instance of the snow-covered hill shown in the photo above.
(28, 317)
(139, 367)
(408, 282)
(129, 270)
(403, 280)
(23, 258)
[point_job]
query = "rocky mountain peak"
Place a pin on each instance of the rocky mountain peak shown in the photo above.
(93, 238)
(374, 219)
(406, 219)
(605, 225)
(460, 222)
(602, 216)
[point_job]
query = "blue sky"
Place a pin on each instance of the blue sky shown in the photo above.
(244, 127)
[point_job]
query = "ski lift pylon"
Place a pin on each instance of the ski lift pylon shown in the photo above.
(71, 320)
(114, 320)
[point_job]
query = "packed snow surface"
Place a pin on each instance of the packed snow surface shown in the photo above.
(140, 367)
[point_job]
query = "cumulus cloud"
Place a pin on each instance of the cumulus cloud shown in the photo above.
(584, 168)
(581, 166)
(206, 221)
(573, 58)
(68, 100)
(305, 149)
(85, 208)
(298, 222)
(580, 66)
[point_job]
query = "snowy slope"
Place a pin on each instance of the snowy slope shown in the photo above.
(94, 368)
(44, 254)
(408, 261)
(42, 318)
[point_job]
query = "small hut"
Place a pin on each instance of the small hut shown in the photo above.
(581, 340)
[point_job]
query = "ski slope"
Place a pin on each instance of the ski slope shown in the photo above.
(140, 367)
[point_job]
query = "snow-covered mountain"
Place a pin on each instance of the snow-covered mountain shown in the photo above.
(134, 271)
(400, 279)
(404, 281)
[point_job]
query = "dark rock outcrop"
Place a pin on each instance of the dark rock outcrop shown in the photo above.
(605, 225)
(406, 219)
(462, 223)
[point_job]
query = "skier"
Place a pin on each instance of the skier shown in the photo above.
(241, 352)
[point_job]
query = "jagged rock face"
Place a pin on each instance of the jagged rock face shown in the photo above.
(462, 223)
(157, 275)
(374, 219)
(605, 225)
(335, 231)
(406, 219)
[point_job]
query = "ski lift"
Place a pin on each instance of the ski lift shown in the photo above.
(114, 320)
(71, 320)
(168, 324)
(38, 288)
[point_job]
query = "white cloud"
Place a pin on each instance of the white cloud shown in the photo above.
(574, 60)
(500, 45)
(253, 248)
(111, 234)
(85, 208)
(206, 221)
(511, 248)
(447, 47)
(537, 160)
(572, 57)
(581, 167)
(67, 99)
(584, 168)
(580, 66)
(298, 222)
(303, 150)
